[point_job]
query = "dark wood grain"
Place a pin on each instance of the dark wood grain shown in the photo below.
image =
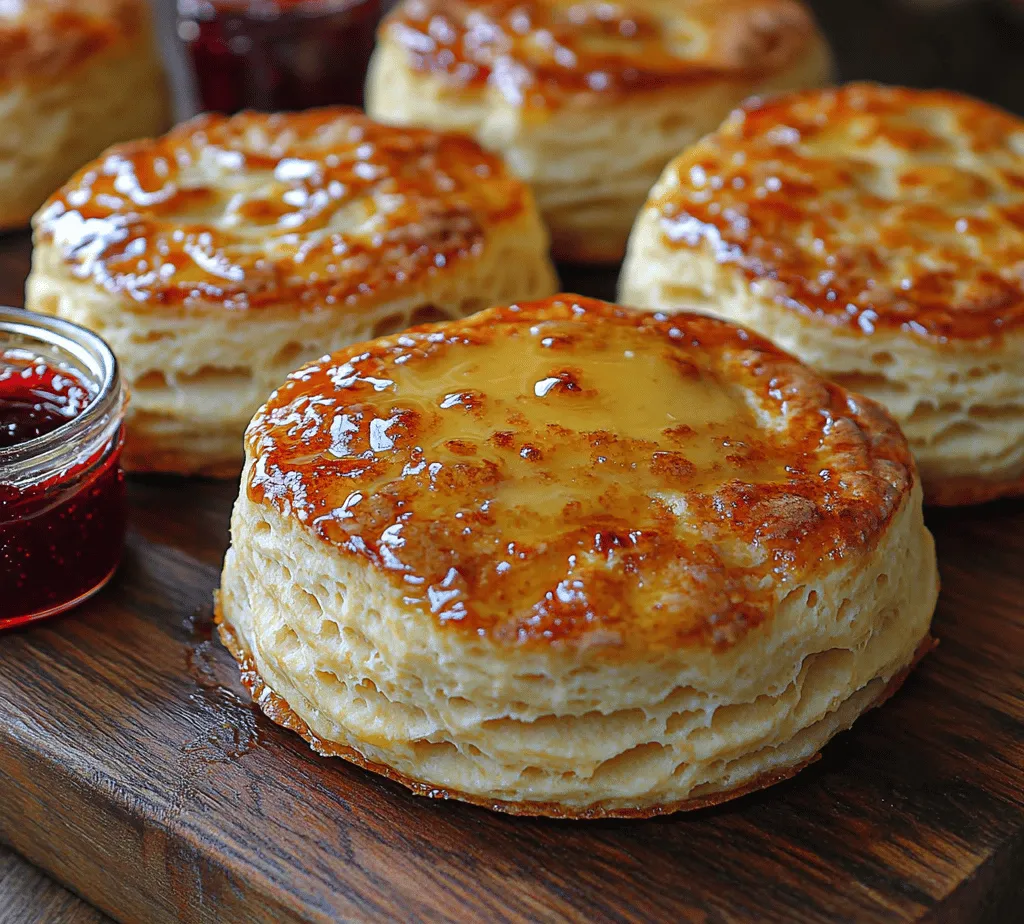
(133, 768)
(29, 897)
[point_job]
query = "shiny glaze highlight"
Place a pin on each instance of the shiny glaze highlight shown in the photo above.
(314, 209)
(869, 207)
(538, 52)
(568, 470)
(36, 397)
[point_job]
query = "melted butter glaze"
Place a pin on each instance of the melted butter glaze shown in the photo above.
(535, 52)
(41, 39)
(568, 470)
(318, 208)
(871, 207)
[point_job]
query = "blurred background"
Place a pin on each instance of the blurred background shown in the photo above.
(976, 46)
(231, 54)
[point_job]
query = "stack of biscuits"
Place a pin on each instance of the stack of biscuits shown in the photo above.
(540, 552)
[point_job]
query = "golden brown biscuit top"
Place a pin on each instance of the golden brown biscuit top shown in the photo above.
(312, 209)
(43, 39)
(536, 52)
(867, 206)
(567, 470)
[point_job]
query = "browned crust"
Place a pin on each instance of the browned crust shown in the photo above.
(143, 457)
(142, 461)
(970, 489)
(842, 485)
(583, 247)
(277, 710)
(151, 246)
(595, 54)
(51, 38)
(782, 192)
(16, 221)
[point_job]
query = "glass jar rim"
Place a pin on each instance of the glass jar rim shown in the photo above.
(93, 359)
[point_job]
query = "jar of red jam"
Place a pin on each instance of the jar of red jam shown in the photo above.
(62, 497)
(275, 55)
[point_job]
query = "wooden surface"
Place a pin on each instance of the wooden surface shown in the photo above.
(133, 769)
(27, 896)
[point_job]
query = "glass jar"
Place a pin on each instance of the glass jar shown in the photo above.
(62, 493)
(275, 55)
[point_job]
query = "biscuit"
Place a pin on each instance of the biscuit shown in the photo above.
(878, 234)
(565, 558)
(75, 77)
(217, 259)
(588, 101)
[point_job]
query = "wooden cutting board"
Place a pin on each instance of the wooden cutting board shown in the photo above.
(134, 770)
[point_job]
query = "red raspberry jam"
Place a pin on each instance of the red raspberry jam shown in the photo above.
(35, 398)
(62, 496)
(275, 55)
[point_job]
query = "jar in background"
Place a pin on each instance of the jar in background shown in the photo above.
(62, 493)
(275, 55)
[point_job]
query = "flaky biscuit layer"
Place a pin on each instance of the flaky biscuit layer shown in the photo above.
(874, 233)
(272, 240)
(74, 79)
(636, 607)
(588, 106)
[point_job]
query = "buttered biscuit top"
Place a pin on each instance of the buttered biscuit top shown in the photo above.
(222, 256)
(878, 234)
(540, 52)
(567, 558)
(570, 471)
(588, 100)
(324, 207)
(75, 77)
(43, 40)
(868, 206)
